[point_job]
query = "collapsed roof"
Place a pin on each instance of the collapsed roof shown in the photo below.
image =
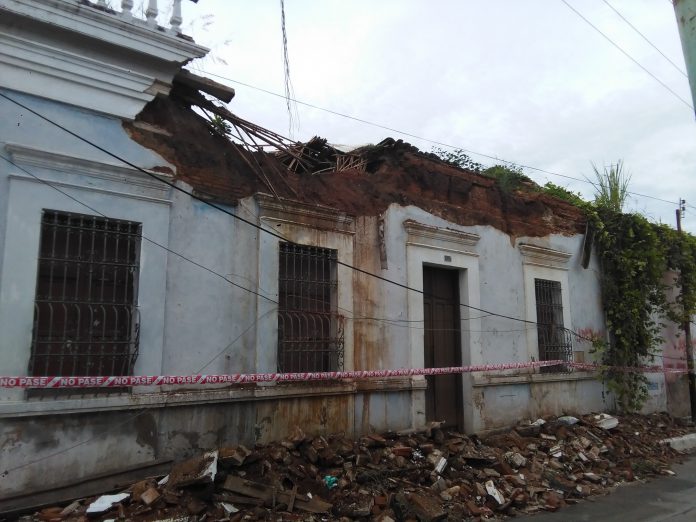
(362, 182)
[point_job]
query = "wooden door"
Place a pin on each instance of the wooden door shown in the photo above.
(442, 345)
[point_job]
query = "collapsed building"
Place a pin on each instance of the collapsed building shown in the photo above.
(222, 248)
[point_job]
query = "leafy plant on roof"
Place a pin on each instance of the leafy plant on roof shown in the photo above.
(510, 178)
(218, 126)
(611, 187)
(458, 158)
(563, 193)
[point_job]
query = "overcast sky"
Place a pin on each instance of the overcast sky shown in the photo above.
(527, 81)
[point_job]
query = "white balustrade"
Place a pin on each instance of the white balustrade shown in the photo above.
(151, 12)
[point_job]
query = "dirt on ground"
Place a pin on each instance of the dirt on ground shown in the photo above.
(420, 475)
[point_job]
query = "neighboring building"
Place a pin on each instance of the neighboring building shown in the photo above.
(107, 271)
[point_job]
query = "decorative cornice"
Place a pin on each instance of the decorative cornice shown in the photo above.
(52, 73)
(537, 255)
(87, 57)
(30, 156)
(295, 212)
(442, 238)
(83, 18)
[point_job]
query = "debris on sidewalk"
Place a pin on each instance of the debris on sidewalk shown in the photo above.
(426, 475)
(105, 503)
(606, 421)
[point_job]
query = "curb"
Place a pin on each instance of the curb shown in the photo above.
(684, 443)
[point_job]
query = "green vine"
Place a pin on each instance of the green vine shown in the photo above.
(648, 270)
(637, 258)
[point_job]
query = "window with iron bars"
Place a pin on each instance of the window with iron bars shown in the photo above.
(555, 341)
(85, 311)
(310, 335)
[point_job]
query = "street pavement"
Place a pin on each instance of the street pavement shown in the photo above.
(670, 498)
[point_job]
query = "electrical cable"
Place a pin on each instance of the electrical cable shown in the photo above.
(203, 267)
(392, 322)
(428, 140)
(237, 216)
(175, 187)
(645, 38)
(612, 42)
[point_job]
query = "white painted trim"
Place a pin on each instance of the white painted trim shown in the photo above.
(52, 73)
(123, 66)
(281, 210)
(550, 273)
(440, 238)
(531, 378)
(23, 155)
(50, 182)
(308, 225)
(469, 291)
(27, 198)
(543, 256)
(127, 401)
(133, 34)
(442, 249)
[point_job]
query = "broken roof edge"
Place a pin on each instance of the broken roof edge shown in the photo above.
(394, 171)
(220, 91)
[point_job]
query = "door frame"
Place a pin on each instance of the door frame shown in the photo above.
(443, 248)
(453, 274)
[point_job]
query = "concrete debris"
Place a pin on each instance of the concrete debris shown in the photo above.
(150, 496)
(606, 421)
(515, 459)
(420, 475)
(234, 456)
(441, 465)
(196, 470)
(494, 493)
(105, 502)
(568, 420)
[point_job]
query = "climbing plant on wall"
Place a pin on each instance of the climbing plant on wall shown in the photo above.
(639, 263)
(648, 270)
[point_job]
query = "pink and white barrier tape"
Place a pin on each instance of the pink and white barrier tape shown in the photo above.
(242, 378)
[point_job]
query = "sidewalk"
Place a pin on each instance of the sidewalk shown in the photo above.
(665, 498)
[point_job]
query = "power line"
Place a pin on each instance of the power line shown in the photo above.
(645, 38)
(612, 42)
(255, 225)
(422, 138)
(390, 321)
(152, 241)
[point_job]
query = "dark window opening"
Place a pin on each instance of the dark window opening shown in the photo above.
(310, 335)
(85, 311)
(555, 341)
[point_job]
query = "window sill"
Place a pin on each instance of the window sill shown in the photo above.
(531, 378)
(136, 401)
(392, 384)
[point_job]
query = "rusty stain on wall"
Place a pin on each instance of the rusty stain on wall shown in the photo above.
(314, 415)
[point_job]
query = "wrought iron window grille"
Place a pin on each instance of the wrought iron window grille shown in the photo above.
(554, 340)
(86, 320)
(310, 331)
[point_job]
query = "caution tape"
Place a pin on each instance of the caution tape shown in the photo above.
(245, 378)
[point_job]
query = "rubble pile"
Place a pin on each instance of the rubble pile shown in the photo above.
(426, 475)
